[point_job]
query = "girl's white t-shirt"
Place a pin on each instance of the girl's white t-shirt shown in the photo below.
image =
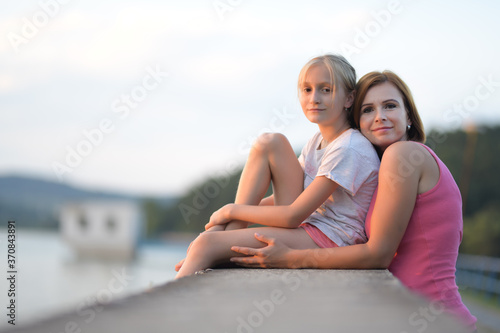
(352, 162)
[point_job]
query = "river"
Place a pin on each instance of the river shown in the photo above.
(50, 279)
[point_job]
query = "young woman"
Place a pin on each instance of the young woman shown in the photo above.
(414, 224)
(319, 200)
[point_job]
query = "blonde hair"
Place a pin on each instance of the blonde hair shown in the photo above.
(341, 71)
(416, 131)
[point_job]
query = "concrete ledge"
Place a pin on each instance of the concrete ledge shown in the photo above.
(265, 300)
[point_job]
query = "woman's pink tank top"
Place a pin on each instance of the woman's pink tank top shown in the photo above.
(426, 257)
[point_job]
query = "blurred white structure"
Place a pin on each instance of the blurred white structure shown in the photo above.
(102, 229)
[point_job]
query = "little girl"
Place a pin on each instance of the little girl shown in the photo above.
(321, 199)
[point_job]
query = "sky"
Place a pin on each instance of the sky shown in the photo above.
(151, 97)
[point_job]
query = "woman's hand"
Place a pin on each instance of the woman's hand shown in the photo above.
(220, 217)
(274, 255)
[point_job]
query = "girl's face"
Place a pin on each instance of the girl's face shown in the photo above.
(384, 119)
(323, 103)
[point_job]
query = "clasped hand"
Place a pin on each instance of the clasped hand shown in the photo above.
(220, 217)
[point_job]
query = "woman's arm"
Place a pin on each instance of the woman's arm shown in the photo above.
(288, 216)
(398, 187)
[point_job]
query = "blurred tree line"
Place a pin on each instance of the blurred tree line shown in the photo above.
(193, 210)
(472, 155)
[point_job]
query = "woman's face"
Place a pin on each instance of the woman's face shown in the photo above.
(384, 118)
(322, 103)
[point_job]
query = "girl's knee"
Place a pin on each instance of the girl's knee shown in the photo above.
(204, 241)
(267, 142)
(206, 249)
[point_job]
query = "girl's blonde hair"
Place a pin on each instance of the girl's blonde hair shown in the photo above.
(341, 71)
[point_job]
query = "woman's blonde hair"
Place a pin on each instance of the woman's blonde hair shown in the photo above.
(416, 131)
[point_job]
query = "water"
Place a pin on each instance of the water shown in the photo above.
(51, 280)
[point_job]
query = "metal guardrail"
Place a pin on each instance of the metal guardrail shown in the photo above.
(479, 273)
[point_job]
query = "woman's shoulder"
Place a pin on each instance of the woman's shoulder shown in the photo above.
(407, 155)
(407, 149)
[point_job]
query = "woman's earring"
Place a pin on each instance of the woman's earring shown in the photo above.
(409, 126)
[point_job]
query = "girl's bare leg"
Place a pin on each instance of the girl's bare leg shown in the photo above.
(271, 160)
(212, 248)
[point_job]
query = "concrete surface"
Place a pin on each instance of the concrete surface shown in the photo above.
(488, 319)
(264, 300)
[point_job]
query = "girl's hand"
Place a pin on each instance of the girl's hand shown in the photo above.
(220, 217)
(214, 228)
(274, 255)
(179, 265)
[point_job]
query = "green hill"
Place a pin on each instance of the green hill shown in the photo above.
(35, 203)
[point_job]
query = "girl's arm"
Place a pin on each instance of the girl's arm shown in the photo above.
(216, 228)
(269, 201)
(397, 191)
(289, 216)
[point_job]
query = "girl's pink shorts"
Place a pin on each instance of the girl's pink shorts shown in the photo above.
(318, 236)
